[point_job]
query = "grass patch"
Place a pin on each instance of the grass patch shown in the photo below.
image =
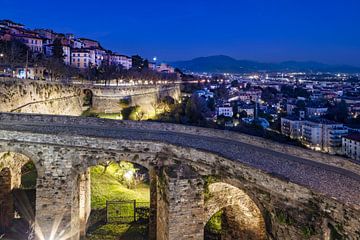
(105, 186)
(119, 231)
(116, 116)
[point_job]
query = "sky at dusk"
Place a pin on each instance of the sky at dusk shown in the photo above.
(264, 30)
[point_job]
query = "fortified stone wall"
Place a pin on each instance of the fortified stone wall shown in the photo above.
(40, 97)
(108, 99)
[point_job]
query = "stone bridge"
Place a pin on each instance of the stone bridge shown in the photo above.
(266, 190)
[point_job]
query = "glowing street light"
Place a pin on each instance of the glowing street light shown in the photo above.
(129, 175)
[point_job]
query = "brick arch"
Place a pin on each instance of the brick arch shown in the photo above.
(242, 217)
(25, 154)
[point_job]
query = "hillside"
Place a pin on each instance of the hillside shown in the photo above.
(226, 64)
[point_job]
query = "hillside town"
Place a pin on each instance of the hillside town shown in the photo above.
(320, 111)
(76, 52)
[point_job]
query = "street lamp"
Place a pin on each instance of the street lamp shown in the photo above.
(2, 55)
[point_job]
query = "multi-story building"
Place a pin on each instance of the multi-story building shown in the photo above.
(77, 43)
(225, 110)
(35, 43)
(80, 58)
(89, 43)
(316, 111)
(351, 146)
(9, 23)
(97, 56)
(323, 135)
(291, 126)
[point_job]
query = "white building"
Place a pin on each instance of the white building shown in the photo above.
(225, 110)
(291, 127)
(351, 146)
(323, 135)
(313, 112)
(318, 134)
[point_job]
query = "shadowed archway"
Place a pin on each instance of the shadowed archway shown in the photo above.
(18, 180)
(240, 217)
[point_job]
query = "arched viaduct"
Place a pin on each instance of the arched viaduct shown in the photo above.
(267, 190)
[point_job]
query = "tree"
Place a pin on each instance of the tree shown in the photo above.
(16, 53)
(57, 51)
(196, 109)
(339, 112)
(137, 62)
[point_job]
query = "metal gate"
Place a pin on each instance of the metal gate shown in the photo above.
(127, 211)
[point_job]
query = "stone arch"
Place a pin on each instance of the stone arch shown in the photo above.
(20, 204)
(25, 153)
(81, 206)
(241, 216)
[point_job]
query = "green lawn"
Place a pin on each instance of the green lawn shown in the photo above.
(105, 186)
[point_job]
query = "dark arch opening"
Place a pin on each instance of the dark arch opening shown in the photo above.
(231, 214)
(17, 195)
(88, 98)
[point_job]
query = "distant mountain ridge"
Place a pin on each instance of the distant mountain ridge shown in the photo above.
(226, 64)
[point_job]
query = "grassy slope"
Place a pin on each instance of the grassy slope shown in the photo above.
(106, 187)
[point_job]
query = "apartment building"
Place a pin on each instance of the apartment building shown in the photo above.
(323, 135)
(80, 58)
(35, 43)
(318, 134)
(351, 146)
(225, 110)
(291, 126)
(314, 111)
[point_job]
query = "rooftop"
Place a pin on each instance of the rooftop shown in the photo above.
(354, 137)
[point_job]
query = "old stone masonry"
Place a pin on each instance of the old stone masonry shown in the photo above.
(266, 190)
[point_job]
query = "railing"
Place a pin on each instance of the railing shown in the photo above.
(127, 211)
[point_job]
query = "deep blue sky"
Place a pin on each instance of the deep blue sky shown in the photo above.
(264, 30)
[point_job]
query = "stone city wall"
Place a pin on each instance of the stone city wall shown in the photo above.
(40, 97)
(108, 99)
(22, 96)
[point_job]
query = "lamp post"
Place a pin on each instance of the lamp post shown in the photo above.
(2, 57)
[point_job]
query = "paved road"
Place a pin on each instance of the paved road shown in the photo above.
(330, 180)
